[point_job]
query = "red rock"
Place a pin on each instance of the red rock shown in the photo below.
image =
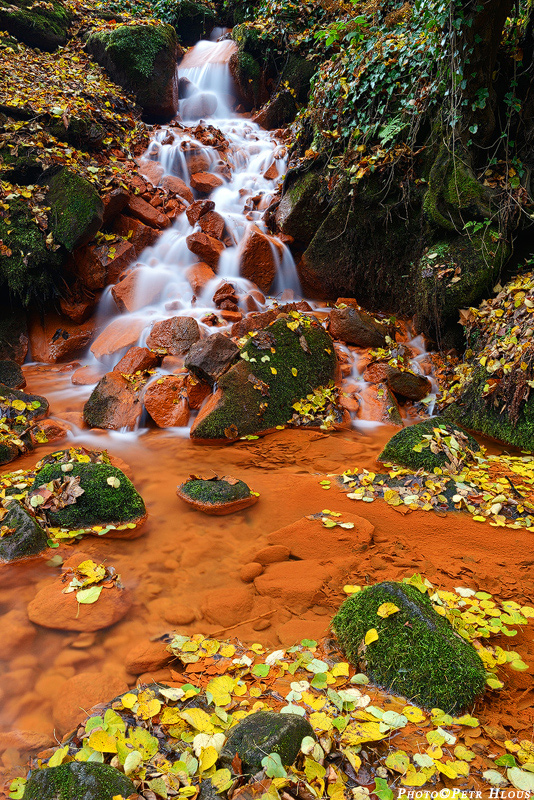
(140, 288)
(272, 554)
(54, 338)
(408, 384)
(249, 572)
(178, 614)
(307, 537)
(114, 202)
(271, 174)
(355, 326)
(376, 372)
(80, 693)
(205, 182)
(174, 364)
(139, 235)
(113, 405)
(54, 431)
(147, 656)
(173, 336)
(253, 300)
(197, 391)
(379, 404)
(51, 608)
(198, 209)
(206, 248)
(137, 359)
(122, 332)
(96, 266)
(198, 276)
(212, 224)
(86, 376)
(16, 632)
(231, 316)
(177, 186)
(25, 740)
(228, 606)
(143, 211)
(297, 629)
(259, 258)
(166, 401)
(77, 308)
(297, 584)
(197, 159)
(152, 171)
(255, 322)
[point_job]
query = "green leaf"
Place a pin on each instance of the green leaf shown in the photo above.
(89, 595)
(261, 670)
(273, 766)
(16, 788)
(507, 760)
(382, 790)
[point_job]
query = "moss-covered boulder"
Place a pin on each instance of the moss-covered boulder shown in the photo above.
(78, 781)
(193, 20)
(42, 25)
(29, 271)
(263, 733)
(22, 536)
(253, 66)
(278, 367)
(11, 375)
(303, 207)
(109, 497)
(76, 210)
(430, 445)
(216, 495)
(413, 652)
(142, 59)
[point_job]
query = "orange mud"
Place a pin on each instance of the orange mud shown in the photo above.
(186, 566)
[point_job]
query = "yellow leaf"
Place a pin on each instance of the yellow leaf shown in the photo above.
(359, 732)
(371, 636)
(149, 708)
(413, 778)
(102, 742)
(128, 700)
(208, 758)
(386, 610)
(447, 769)
(398, 761)
(320, 721)
(58, 757)
(413, 714)
(220, 689)
(340, 670)
(198, 719)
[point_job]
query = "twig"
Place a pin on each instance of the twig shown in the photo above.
(245, 622)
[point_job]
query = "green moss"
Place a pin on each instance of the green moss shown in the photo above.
(218, 491)
(259, 394)
(399, 449)
(31, 272)
(76, 209)
(43, 26)
(417, 654)
(8, 452)
(100, 503)
(134, 47)
(77, 781)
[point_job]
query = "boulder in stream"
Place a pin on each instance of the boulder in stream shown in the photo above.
(114, 404)
(431, 444)
(216, 496)
(211, 357)
(22, 536)
(77, 780)
(406, 647)
(278, 366)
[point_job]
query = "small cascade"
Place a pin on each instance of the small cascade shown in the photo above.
(241, 165)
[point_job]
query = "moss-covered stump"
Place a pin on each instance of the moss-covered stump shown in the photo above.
(76, 210)
(278, 366)
(109, 497)
(141, 59)
(263, 733)
(410, 649)
(216, 496)
(11, 375)
(29, 271)
(22, 536)
(78, 781)
(42, 25)
(430, 445)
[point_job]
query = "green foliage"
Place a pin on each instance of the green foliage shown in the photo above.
(417, 654)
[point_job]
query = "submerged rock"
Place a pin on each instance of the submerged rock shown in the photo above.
(78, 781)
(414, 651)
(217, 496)
(279, 366)
(23, 535)
(429, 445)
(263, 733)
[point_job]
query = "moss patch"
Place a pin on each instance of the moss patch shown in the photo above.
(216, 491)
(101, 502)
(38, 25)
(417, 653)
(77, 781)
(400, 448)
(278, 367)
(76, 209)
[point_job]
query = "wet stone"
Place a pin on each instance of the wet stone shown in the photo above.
(173, 336)
(355, 327)
(23, 535)
(210, 358)
(11, 375)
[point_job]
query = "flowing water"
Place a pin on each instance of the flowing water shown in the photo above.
(183, 557)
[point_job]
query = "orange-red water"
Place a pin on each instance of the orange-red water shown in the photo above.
(184, 555)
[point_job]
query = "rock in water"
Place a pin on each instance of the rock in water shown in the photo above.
(278, 366)
(78, 781)
(430, 444)
(217, 496)
(27, 537)
(417, 653)
(354, 326)
(211, 357)
(11, 375)
(263, 733)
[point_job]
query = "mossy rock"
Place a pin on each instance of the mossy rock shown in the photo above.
(142, 59)
(263, 733)
(15, 403)
(8, 452)
(14, 337)
(78, 781)
(101, 502)
(216, 496)
(30, 272)
(42, 25)
(487, 417)
(400, 448)
(26, 538)
(11, 375)
(303, 206)
(76, 210)
(193, 20)
(82, 132)
(25, 168)
(417, 653)
(278, 367)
